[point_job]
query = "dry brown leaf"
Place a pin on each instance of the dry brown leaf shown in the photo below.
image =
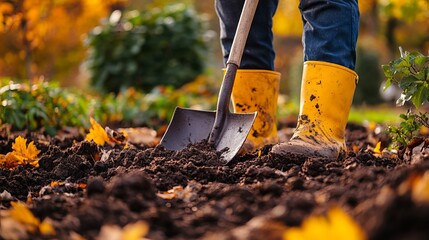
(116, 136)
(146, 136)
(172, 193)
(186, 194)
(67, 132)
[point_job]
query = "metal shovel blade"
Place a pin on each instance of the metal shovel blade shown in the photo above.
(234, 133)
(189, 126)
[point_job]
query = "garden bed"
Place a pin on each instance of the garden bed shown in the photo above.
(87, 191)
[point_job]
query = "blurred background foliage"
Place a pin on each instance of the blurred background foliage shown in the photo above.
(144, 49)
(57, 41)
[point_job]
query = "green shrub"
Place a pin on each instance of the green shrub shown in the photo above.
(43, 106)
(46, 106)
(146, 49)
(411, 73)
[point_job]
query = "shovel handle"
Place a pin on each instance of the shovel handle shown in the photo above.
(242, 32)
(232, 65)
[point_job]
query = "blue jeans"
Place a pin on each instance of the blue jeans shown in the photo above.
(330, 31)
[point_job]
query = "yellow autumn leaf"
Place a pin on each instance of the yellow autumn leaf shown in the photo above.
(377, 149)
(23, 215)
(337, 225)
(29, 152)
(132, 231)
(21, 154)
(135, 231)
(46, 228)
(97, 133)
(424, 130)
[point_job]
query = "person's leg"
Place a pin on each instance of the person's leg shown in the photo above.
(256, 84)
(259, 52)
(328, 81)
(330, 31)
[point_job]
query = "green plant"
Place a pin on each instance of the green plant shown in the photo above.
(47, 106)
(411, 73)
(43, 105)
(153, 109)
(145, 49)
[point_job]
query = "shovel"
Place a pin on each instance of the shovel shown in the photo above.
(224, 130)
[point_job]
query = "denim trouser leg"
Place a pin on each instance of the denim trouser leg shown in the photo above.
(259, 52)
(330, 31)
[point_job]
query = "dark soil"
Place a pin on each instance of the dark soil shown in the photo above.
(252, 197)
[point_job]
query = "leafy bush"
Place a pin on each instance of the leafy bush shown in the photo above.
(145, 49)
(44, 105)
(411, 73)
(47, 106)
(155, 108)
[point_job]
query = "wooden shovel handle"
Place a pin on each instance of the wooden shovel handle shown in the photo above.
(242, 32)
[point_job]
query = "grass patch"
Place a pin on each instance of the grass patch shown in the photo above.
(379, 114)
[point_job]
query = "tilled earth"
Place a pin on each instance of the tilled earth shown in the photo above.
(255, 196)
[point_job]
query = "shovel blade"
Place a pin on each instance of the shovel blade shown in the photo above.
(187, 126)
(233, 134)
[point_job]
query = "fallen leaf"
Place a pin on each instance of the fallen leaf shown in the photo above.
(337, 225)
(56, 183)
(355, 148)
(418, 185)
(146, 136)
(132, 231)
(67, 132)
(22, 154)
(424, 130)
(172, 193)
(377, 150)
(22, 215)
(186, 194)
(97, 133)
(45, 228)
(135, 231)
(116, 136)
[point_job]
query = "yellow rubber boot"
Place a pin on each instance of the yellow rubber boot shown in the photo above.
(326, 96)
(257, 90)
